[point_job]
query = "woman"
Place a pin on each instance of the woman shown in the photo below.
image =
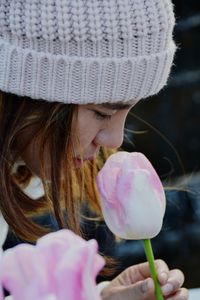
(70, 71)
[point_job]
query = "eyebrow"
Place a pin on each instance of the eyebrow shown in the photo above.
(116, 106)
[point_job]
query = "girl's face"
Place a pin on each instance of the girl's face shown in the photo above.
(99, 125)
(95, 126)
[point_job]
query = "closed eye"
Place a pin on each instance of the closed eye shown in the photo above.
(101, 116)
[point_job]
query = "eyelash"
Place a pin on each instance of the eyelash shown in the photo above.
(101, 116)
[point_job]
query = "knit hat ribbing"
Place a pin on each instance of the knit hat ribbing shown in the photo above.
(85, 51)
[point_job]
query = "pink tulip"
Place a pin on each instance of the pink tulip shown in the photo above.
(61, 266)
(132, 196)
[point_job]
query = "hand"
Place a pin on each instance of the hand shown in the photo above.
(135, 284)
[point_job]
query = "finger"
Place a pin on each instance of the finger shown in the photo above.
(181, 294)
(163, 277)
(162, 271)
(174, 282)
(142, 290)
(161, 268)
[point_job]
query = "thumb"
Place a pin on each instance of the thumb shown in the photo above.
(142, 290)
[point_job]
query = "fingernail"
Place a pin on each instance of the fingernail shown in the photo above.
(163, 276)
(167, 288)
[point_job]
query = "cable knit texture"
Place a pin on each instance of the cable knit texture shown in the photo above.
(85, 51)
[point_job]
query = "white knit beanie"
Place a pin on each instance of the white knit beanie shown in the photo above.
(85, 51)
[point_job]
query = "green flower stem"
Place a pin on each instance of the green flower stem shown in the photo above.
(150, 258)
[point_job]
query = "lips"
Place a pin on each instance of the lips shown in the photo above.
(78, 161)
(84, 158)
(89, 158)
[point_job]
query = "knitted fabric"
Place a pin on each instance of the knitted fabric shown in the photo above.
(85, 51)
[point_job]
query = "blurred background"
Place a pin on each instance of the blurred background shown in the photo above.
(175, 112)
(166, 128)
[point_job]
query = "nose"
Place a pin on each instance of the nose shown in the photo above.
(112, 136)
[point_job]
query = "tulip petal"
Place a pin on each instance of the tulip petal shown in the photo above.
(61, 266)
(21, 268)
(132, 196)
(76, 273)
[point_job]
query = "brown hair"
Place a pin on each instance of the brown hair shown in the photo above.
(66, 188)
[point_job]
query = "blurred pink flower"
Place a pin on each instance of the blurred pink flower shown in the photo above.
(132, 196)
(61, 266)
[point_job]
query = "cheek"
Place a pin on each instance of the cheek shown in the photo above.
(86, 129)
(85, 136)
